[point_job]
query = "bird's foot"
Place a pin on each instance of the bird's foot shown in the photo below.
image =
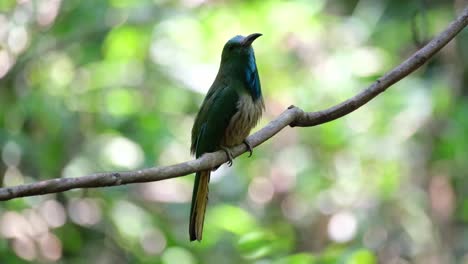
(249, 147)
(229, 155)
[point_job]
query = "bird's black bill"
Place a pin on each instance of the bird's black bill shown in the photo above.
(250, 38)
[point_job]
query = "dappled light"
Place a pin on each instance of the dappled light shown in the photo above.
(171, 191)
(261, 190)
(342, 227)
(84, 212)
(179, 255)
(122, 152)
(30, 231)
(153, 241)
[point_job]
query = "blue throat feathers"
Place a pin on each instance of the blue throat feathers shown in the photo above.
(252, 81)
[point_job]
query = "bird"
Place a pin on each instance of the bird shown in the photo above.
(231, 108)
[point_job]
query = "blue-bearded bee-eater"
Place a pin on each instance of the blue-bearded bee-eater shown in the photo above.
(231, 108)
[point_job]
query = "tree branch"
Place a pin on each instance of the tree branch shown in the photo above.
(293, 116)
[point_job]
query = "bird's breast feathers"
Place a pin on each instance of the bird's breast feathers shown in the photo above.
(248, 113)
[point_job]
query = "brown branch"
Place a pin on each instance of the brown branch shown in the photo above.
(293, 117)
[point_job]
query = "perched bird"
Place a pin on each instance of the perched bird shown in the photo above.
(231, 108)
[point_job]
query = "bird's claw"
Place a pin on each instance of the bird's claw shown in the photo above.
(229, 155)
(249, 147)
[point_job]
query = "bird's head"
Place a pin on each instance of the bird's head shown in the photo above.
(239, 46)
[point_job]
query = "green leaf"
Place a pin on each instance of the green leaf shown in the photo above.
(362, 256)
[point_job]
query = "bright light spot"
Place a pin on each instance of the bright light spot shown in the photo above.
(177, 255)
(6, 61)
(11, 154)
(18, 39)
(167, 52)
(369, 13)
(230, 218)
(196, 76)
(84, 212)
(164, 50)
(282, 178)
(347, 189)
(173, 191)
(12, 177)
(261, 190)
(199, 77)
(366, 61)
(53, 213)
(153, 241)
(14, 225)
(193, 3)
(122, 102)
(50, 247)
(218, 174)
(290, 162)
(417, 224)
(296, 13)
(21, 16)
(174, 152)
(131, 220)
(47, 11)
(24, 247)
(77, 167)
(415, 115)
(36, 222)
(366, 118)
(330, 71)
(352, 32)
(62, 72)
(123, 152)
(342, 227)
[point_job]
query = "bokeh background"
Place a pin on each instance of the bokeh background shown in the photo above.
(90, 86)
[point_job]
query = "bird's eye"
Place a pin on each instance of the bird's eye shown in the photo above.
(231, 47)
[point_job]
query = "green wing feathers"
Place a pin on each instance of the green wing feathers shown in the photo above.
(213, 119)
(199, 203)
(210, 125)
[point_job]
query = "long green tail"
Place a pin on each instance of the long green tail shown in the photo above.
(199, 202)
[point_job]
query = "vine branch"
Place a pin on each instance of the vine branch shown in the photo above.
(293, 116)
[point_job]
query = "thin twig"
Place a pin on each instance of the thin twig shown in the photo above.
(293, 116)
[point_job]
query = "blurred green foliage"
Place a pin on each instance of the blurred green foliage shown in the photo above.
(88, 86)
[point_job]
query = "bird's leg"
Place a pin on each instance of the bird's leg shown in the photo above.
(229, 155)
(249, 147)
